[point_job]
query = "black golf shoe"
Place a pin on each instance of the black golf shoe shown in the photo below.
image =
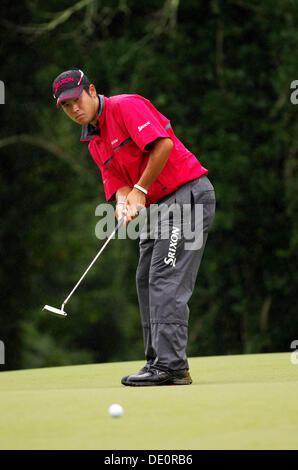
(153, 376)
(141, 372)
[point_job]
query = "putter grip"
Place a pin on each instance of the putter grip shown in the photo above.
(120, 223)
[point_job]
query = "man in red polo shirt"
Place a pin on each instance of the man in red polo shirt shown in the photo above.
(143, 164)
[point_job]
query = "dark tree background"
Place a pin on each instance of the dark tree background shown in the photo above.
(221, 71)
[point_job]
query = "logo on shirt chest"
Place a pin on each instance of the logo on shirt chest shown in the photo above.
(114, 141)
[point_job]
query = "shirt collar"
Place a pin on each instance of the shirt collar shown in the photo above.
(88, 131)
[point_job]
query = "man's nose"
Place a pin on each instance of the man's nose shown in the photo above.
(75, 107)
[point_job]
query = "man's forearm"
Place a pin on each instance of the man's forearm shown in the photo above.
(158, 157)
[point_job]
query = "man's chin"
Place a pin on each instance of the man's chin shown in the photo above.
(83, 121)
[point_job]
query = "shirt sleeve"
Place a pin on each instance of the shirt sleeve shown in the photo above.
(142, 125)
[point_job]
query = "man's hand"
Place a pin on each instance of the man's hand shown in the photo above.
(121, 210)
(135, 201)
(121, 197)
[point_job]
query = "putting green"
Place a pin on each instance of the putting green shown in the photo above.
(235, 402)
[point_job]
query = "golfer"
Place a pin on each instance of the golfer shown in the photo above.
(143, 164)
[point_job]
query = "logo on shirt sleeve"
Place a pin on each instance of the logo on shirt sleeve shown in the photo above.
(140, 128)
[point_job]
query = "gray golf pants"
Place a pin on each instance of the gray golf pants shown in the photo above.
(167, 271)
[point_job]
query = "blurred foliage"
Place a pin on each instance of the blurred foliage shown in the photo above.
(221, 71)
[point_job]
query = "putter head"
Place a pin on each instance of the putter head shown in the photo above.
(55, 311)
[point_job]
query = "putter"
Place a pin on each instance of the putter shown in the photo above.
(59, 312)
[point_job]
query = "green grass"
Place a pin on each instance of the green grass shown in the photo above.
(235, 402)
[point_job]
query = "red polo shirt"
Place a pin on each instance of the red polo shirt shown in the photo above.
(126, 125)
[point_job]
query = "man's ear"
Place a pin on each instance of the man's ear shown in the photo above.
(92, 90)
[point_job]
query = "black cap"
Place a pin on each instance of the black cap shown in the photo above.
(69, 85)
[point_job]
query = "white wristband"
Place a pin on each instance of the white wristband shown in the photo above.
(140, 188)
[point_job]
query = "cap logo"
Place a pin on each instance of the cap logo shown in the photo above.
(62, 82)
(81, 77)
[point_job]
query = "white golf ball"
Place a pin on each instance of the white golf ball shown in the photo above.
(115, 410)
